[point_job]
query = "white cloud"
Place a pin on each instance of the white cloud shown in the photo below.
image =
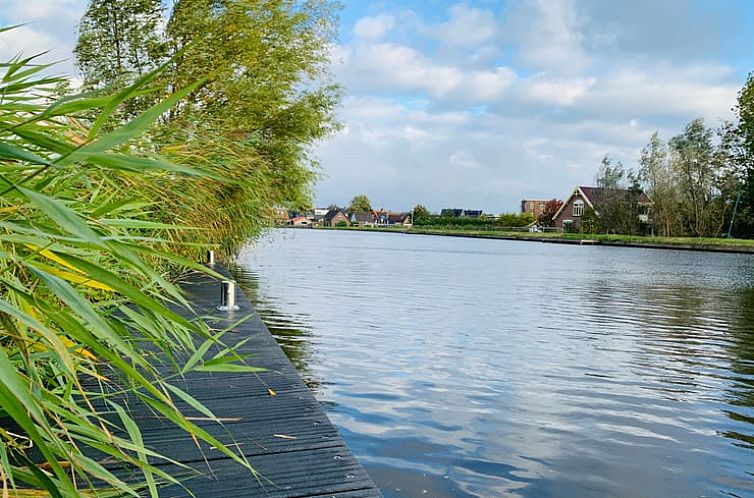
(549, 35)
(50, 26)
(373, 28)
(389, 66)
(466, 26)
(557, 91)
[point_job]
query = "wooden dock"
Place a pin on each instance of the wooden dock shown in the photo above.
(287, 437)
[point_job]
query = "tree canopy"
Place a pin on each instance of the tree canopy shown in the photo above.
(360, 203)
(264, 96)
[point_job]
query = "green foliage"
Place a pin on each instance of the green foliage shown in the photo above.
(590, 222)
(118, 42)
(695, 173)
(84, 287)
(421, 215)
(341, 224)
(547, 217)
(360, 203)
(265, 97)
(504, 220)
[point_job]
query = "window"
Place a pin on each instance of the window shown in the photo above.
(578, 208)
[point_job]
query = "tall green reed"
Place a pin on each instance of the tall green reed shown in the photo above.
(87, 241)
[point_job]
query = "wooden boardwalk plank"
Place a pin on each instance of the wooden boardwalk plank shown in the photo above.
(287, 438)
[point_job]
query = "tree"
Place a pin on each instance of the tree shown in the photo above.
(547, 217)
(421, 214)
(119, 41)
(658, 180)
(612, 203)
(737, 147)
(360, 203)
(264, 96)
(691, 156)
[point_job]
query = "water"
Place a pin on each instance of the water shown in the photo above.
(467, 367)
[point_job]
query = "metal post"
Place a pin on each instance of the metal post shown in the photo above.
(211, 257)
(227, 296)
(732, 218)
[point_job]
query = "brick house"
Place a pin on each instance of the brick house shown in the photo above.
(534, 207)
(569, 215)
(335, 216)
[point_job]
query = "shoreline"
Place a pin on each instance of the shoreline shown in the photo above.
(737, 246)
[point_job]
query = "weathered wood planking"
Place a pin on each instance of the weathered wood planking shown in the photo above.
(287, 437)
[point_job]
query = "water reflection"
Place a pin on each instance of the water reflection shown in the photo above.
(463, 367)
(291, 335)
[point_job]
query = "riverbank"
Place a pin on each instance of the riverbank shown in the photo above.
(678, 243)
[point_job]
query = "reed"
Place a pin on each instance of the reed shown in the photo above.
(93, 223)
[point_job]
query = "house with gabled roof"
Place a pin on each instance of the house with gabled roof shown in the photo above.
(363, 218)
(582, 198)
(334, 217)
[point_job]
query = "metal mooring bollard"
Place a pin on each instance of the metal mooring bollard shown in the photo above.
(210, 257)
(228, 296)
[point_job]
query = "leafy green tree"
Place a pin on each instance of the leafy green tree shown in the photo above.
(264, 97)
(659, 182)
(697, 175)
(360, 203)
(737, 147)
(119, 40)
(421, 215)
(589, 221)
(547, 217)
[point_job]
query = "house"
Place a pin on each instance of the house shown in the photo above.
(280, 215)
(534, 207)
(569, 215)
(389, 218)
(363, 218)
(451, 213)
(461, 213)
(399, 218)
(334, 217)
(300, 221)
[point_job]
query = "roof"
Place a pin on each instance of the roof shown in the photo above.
(362, 216)
(594, 196)
(333, 213)
(451, 212)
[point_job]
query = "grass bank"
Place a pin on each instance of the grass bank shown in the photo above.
(684, 243)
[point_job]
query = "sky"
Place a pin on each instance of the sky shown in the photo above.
(480, 104)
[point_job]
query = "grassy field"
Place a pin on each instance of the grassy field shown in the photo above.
(702, 244)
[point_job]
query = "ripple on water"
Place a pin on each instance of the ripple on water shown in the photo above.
(466, 367)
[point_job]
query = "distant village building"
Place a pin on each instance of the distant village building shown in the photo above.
(534, 207)
(334, 217)
(300, 221)
(570, 213)
(363, 218)
(390, 218)
(280, 214)
(461, 213)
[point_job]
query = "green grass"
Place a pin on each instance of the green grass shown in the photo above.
(745, 245)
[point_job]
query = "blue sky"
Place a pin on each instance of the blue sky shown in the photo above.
(479, 104)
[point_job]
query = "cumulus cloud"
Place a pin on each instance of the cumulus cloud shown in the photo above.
(480, 103)
(49, 26)
(373, 28)
(383, 65)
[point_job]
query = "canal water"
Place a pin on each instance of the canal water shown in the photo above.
(462, 367)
